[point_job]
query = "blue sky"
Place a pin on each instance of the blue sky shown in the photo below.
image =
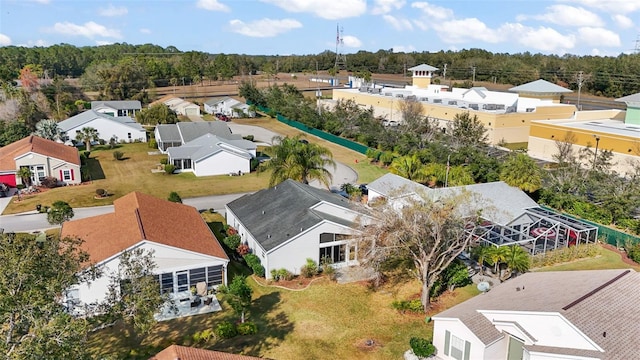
(282, 27)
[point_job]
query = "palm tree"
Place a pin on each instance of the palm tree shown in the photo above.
(516, 259)
(297, 159)
(409, 167)
(87, 135)
(48, 129)
(482, 253)
(25, 175)
(496, 255)
(522, 171)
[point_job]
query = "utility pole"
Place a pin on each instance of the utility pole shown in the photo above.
(580, 80)
(474, 74)
(444, 73)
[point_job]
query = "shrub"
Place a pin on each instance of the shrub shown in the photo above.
(422, 347)
(118, 155)
(633, 252)
(327, 269)
(152, 144)
(164, 161)
(248, 137)
(226, 330)
(174, 197)
(87, 154)
(414, 306)
(281, 274)
(243, 249)
(101, 192)
(386, 158)
(309, 269)
(232, 241)
(373, 154)
(230, 230)
(20, 186)
(247, 328)
(565, 254)
(169, 169)
(49, 182)
(253, 261)
(203, 336)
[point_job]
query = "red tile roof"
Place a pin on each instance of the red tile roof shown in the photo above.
(37, 145)
(177, 352)
(138, 217)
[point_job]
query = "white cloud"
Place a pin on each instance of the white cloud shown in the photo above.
(623, 21)
(433, 12)
(212, 5)
(351, 41)
(326, 9)
(398, 23)
(89, 29)
(386, 6)
(263, 28)
(421, 25)
(145, 31)
(464, 30)
(598, 37)
(610, 6)
(5, 40)
(103, 42)
(39, 42)
(566, 16)
(542, 38)
(403, 48)
(113, 11)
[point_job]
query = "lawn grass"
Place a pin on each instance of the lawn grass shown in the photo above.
(325, 321)
(607, 259)
(134, 174)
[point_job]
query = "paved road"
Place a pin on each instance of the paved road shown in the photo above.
(195, 118)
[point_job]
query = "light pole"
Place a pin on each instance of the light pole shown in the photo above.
(595, 156)
(446, 177)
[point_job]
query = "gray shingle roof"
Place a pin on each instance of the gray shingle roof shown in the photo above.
(275, 215)
(613, 309)
(217, 100)
(89, 115)
(630, 98)
(540, 87)
(168, 133)
(207, 145)
(393, 186)
(193, 130)
(118, 104)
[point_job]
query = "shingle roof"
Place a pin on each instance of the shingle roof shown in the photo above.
(177, 352)
(207, 145)
(276, 214)
(595, 301)
(634, 98)
(217, 100)
(137, 217)
(540, 87)
(89, 115)
(423, 67)
(392, 186)
(118, 104)
(192, 130)
(37, 145)
(168, 133)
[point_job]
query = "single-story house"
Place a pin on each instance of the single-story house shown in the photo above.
(45, 158)
(185, 251)
(510, 216)
(228, 106)
(117, 107)
(179, 105)
(205, 148)
(123, 128)
(291, 222)
(178, 352)
(577, 315)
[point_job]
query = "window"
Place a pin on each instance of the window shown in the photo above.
(214, 275)
(183, 281)
(178, 164)
(66, 175)
(456, 347)
(336, 253)
(129, 136)
(186, 163)
(329, 237)
(197, 275)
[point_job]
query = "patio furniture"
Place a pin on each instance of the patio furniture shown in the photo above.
(208, 300)
(196, 302)
(201, 289)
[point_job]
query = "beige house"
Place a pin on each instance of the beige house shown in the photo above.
(506, 115)
(44, 158)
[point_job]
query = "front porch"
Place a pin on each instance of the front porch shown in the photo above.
(184, 304)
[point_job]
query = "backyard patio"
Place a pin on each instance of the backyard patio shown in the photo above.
(185, 304)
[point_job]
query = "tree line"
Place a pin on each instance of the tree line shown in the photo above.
(611, 76)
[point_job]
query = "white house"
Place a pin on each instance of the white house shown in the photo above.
(227, 106)
(185, 251)
(569, 315)
(44, 158)
(291, 222)
(179, 105)
(205, 148)
(117, 107)
(123, 128)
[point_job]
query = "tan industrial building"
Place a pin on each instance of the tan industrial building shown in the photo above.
(506, 115)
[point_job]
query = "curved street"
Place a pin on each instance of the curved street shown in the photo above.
(34, 221)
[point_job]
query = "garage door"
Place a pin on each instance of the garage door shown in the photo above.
(9, 179)
(192, 111)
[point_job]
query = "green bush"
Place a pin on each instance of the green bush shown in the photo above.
(203, 336)
(247, 328)
(164, 161)
(327, 269)
(633, 252)
(118, 155)
(591, 212)
(248, 137)
(414, 306)
(169, 169)
(309, 269)
(253, 261)
(232, 241)
(153, 144)
(281, 274)
(174, 197)
(373, 154)
(561, 255)
(386, 158)
(422, 347)
(226, 330)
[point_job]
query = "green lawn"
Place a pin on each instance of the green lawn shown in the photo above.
(607, 259)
